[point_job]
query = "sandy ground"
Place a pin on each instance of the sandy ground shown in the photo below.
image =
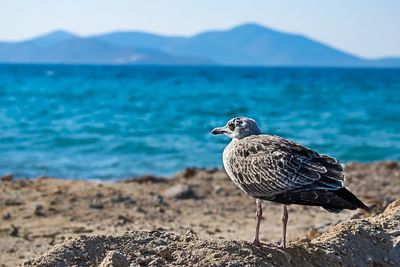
(374, 241)
(37, 214)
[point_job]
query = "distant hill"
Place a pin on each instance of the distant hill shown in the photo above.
(53, 38)
(245, 45)
(252, 44)
(138, 39)
(63, 48)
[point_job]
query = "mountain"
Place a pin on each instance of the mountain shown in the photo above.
(245, 45)
(252, 44)
(53, 38)
(138, 39)
(62, 48)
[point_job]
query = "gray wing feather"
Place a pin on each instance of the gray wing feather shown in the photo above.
(266, 165)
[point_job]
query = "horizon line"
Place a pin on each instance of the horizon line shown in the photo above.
(199, 66)
(198, 33)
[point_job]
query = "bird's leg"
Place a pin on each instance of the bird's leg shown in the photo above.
(285, 217)
(258, 218)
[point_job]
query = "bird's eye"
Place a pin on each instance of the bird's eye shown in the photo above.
(231, 126)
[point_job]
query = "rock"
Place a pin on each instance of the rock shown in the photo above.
(39, 210)
(218, 190)
(165, 252)
(190, 233)
(122, 220)
(14, 231)
(122, 199)
(114, 259)
(96, 205)
(12, 202)
(7, 178)
(180, 191)
(7, 216)
(189, 172)
(158, 200)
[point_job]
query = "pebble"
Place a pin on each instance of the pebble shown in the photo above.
(7, 216)
(27, 263)
(158, 200)
(12, 202)
(190, 233)
(218, 190)
(39, 210)
(122, 199)
(180, 191)
(121, 220)
(14, 231)
(142, 260)
(189, 172)
(98, 206)
(160, 209)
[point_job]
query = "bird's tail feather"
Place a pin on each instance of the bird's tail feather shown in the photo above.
(333, 201)
(345, 194)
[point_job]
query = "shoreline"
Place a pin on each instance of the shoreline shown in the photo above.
(164, 177)
(39, 213)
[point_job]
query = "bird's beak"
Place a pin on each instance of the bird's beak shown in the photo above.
(220, 130)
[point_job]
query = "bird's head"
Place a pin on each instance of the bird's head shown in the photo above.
(238, 128)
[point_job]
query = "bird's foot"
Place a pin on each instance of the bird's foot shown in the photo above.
(273, 245)
(256, 242)
(280, 244)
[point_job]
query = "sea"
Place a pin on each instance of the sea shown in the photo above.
(118, 122)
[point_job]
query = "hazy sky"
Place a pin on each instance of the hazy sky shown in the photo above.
(369, 28)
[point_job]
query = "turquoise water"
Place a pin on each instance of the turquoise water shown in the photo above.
(117, 122)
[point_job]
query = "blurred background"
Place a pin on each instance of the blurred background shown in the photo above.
(110, 90)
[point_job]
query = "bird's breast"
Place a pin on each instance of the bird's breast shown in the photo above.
(226, 159)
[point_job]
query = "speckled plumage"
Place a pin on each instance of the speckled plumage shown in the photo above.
(268, 167)
(272, 168)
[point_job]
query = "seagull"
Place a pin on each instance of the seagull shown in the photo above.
(269, 167)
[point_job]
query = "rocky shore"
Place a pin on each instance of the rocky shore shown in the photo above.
(197, 217)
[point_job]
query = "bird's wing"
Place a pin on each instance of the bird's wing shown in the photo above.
(266, 165)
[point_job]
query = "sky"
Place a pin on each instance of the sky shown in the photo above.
(367, 28)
